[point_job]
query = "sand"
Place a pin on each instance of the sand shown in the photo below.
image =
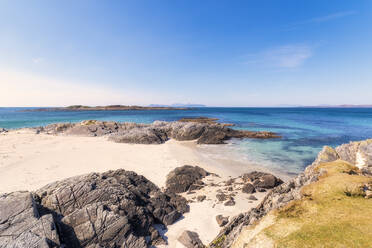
(29, 161)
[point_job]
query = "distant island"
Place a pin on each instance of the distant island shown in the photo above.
(179, 105)
(104, 108)
(341, 106)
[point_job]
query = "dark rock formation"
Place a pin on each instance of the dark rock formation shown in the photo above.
(155, 133)
(221, 197)
(190, 240)
(184, 178)
(230, 202)
(22, 225)
(248, 188)
(201, 198)
(221, 220)
(140, 136)
(252, 197)
(262, 179)
(112, 209)
(3, 130)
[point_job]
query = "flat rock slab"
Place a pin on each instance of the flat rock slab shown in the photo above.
(21, 224)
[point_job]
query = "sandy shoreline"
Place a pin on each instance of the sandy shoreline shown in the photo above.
(29, 161)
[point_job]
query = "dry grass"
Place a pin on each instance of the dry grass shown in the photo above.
(333, 213)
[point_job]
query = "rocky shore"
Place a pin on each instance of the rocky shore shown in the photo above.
(112, 209)
(155, 133)
(357, 154)
(120, 208)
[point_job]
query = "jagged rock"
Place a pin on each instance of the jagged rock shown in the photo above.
(22, 225)
(221, 197)
(155, 133)
(186, 131)
(182, 178)
(201, 198)
(213, 135)
(111, 209)
(356, 153)
(276, 198)
(230, 202)
(262, 179)
(221, 220)
(328, 154)
(190, 240)
(252, 197)
(3, 130)
(248, 188)
(140, 136)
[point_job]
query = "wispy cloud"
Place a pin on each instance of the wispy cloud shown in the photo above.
(330, 17)
(283, 57)
(37, 60)
(320, 19)
(289, 56)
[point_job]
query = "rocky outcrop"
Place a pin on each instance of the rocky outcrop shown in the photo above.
(190, 240)
(112, 209)
(221, 220)
(185, 178)
(155, 133)
(275, 198)
(22, 225)
(356, 153)
(261, 180)
(3, 130)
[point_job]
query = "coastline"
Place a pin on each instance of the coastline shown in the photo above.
(30, 161)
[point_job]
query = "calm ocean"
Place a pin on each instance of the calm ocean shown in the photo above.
(305, 130)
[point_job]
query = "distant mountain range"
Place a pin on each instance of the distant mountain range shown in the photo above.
(341, 106)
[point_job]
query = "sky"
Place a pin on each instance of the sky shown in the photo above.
(217, 53)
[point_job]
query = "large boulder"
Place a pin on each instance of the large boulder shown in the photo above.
(213, 135)
(140, 136)
(357, 153)
(328, 154)
(190, 240)
(112, 209)
(182, 178)
(221, 220)
(22, 225)
(3, 130)
(248, 188)
(186, 131)
(261, 180)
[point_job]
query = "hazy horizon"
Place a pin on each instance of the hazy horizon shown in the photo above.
(227, 54)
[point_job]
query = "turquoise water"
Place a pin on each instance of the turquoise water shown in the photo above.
(305, 130)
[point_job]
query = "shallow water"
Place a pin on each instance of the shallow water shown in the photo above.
(305, 130)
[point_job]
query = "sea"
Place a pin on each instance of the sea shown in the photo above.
(304, 131)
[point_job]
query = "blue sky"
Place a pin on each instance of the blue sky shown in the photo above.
(218, 53)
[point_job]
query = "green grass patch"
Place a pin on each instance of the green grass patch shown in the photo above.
(333, 213)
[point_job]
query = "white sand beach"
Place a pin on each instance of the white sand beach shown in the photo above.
(29, 161)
